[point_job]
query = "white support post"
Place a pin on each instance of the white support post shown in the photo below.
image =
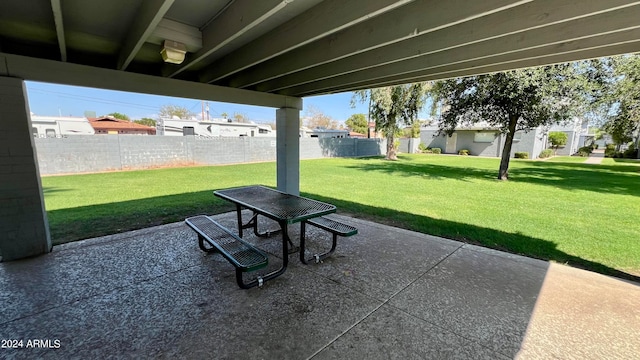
(24, 229)
(288, 150)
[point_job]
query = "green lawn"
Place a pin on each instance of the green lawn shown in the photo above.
(580, 214)
(565, 159)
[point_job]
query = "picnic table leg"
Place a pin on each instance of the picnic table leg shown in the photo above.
(318, 257)
(203, 247)
(252, 223)
(285, 262)
(239, 214)
(276, 273)
(303, 230)
(287, 239)
(285, 243)
(267, 233)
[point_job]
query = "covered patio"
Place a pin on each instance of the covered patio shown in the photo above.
(270, 53)
(386, 293)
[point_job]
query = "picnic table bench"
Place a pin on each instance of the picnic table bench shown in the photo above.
(242, 255)
(335, 227)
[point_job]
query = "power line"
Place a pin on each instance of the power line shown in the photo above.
(93, 99)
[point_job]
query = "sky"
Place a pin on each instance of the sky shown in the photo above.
(47, 99)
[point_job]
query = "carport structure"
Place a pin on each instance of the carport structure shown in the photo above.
(268, 53)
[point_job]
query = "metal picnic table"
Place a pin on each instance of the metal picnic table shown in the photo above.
(283, 208)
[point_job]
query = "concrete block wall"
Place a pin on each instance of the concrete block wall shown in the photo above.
(138, 151)
(24, 229)
(77, 154)
(261, 149)
(337, 147)
(314, 148)
(310, 148)
(94, 153)
(370, 147)
(218, 151)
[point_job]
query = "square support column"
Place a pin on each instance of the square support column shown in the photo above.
(24, 229)
(288, 150)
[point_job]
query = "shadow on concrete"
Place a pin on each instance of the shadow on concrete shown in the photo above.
(616, 179)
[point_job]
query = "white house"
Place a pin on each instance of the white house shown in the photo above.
(212, 128)
(58, 126)
(305, 132)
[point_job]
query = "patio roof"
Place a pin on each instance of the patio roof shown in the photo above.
(299, 47)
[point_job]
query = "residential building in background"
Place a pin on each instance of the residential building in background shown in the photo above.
(306, 132)
(59, 126)
(111, 126)
(212, 128)
(483, 140)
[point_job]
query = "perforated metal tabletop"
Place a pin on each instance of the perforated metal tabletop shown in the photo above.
(276, 205)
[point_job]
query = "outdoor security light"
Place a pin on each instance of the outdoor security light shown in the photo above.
(173, 52)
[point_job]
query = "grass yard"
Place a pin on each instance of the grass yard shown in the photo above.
(580, 214)
(567, 159)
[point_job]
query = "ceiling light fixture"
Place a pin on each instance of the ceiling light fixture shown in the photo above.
(173, 52)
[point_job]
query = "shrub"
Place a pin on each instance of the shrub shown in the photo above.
(610, 152)
(546, 153)
(610, 147)
(558, 139)
(631, 152)
(463, 152)
(422, 147)
(436, 150)
(585, 151)
(521, 155)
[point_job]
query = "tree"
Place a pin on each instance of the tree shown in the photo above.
(317, 119)
(118, 115)
(169, 111)
(511, 101)
(146, 121)
(623, 99)
(357, 123)
(241, 118)
(412, 131)
(391, 107)
(557, 139)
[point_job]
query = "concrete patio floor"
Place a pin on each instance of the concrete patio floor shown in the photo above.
(386, 293)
